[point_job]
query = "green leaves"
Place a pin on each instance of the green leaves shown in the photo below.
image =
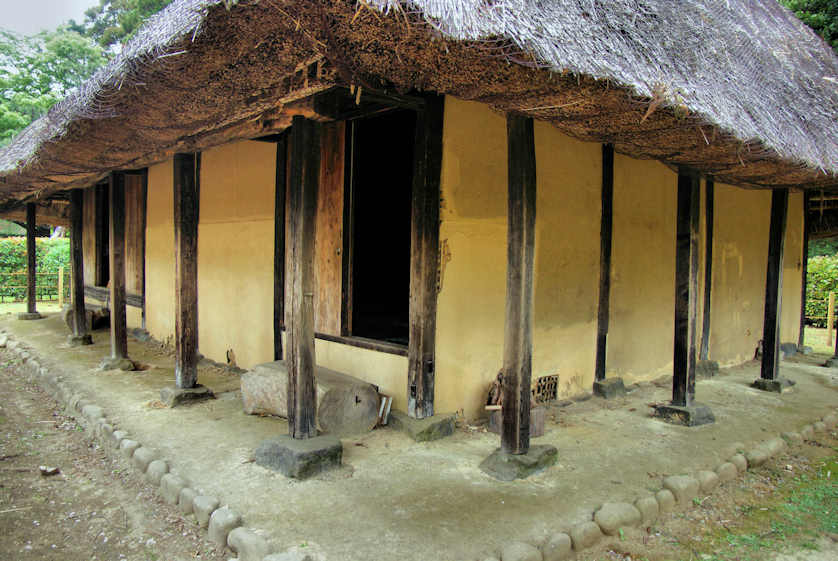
(821, 279)
(113, 21)
(820, 15)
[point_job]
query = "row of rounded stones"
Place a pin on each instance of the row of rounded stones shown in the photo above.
(223, 525)
(680, 490)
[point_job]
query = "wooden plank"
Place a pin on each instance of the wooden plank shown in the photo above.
(116, 236)
(686, 288)
(347, 296)
(774, 284)
(805, 272)
(89, 235)
(102, 294)
(187, 172)
(280, 190)
(424, 257)
(709, 196)
(605, 239)
(517, 344)
(305, 175)
(329, 244)
(144, 227)
(102, 244)
(31, 265)
(134, 233)
(77, 261)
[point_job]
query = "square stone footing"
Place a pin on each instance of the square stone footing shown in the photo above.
(706, 368)
(778, 385)
(29, 315)
(508, 467)
(172, 396)
(300, 459)
(79, 340)
(831, 362)
(609, 388)
(114, 363)
(689, 416)
(424, 430)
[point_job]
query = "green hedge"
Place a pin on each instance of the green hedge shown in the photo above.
(50, 255)
(821, 279)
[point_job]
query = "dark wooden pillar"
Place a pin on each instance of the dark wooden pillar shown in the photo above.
(279, 242)
(709, 195)
(804, 270)
(187, 173)
(774, 285)
(101, 212)
(517, 344)
(31, 266)
(605, 234)
(424, 256)
(686, 289)
(80, 333)
(304, 184)
(116, 239)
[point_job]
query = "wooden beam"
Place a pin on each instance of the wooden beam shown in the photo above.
(517, 344)
(686, 289)
(280, 188)
(143, 228)
(709, 196)
(424, 256)
(31, 265)
(774, 285)
(116, 237)
(77, 262)
(305, 176)
(805, 269)
(605, 235)
(187, 189)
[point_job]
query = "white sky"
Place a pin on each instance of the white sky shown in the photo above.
(31, 16)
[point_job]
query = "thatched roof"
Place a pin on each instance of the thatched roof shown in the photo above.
(737, 88)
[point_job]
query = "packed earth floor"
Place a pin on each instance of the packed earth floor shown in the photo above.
(418, 501)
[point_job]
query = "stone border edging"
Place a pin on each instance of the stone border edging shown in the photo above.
(224, 526)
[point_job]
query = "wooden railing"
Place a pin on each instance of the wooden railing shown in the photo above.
(48, 286)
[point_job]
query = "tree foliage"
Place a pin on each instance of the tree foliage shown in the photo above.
(820, 15)
(113, 21)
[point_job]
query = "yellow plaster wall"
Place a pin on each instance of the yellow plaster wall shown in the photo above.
(160, 257)
(792, 271)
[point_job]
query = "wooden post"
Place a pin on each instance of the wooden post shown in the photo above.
(805, 271)
(116, 240)
(187, 173)
(686, 289)
(830, 318)
(143, 241)
(424, 256)
(61, 287)
(100, 202)
(304, 184)
(709, 192)
(774, 285)
(605, 235)
(31, 266)
(280, 188)
(517, 343)
(80, 333)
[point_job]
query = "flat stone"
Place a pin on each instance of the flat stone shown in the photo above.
(520, 551)
(727, 472)
(3, 340)
(26, 316)
(203, 507)
(820, 426)
(184, 500)
(170, 487)
(128, 446)
(757, 456)
(831, 362)
(289, 556)
(690, 416)
(114, 363)
(611, 517)
(666, 500)
(117, 437)
(707, 481)
(807, 432)
(557, 548)
(788, 350)
(424, 430)
(221, 522)
(144, 456)
(79, 340)
(248, 545)
(740, 461)
(156, 470)
(172, 396)
(830, 420)
(300, 459)
(778, 385)
(648, 507)
(792, 437)
(585, 535)
(684, 487)
(104, 430)
(706, 368)
(92, 412)
(610, 388)
(508, 467)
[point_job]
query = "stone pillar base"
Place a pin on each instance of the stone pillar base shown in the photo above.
(29, 315)
(300, 459)
(172, 396)
(706, 368)
(610, 388)
(79, 340)
(508, 467)
(114, 363)
(424, 430)
(778, 385)
(689, 416)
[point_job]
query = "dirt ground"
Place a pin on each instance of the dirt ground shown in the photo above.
(96, 508)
